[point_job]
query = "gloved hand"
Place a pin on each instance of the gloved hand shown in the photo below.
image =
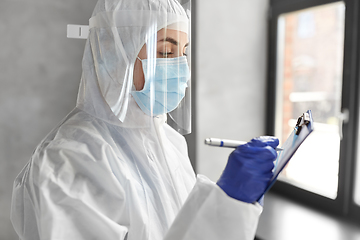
(249, 169)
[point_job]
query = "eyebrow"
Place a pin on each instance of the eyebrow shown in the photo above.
(172, 41)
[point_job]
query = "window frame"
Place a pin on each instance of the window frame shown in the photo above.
(192, 137)
(344, 205)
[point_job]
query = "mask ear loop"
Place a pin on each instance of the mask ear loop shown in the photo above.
(139, 58)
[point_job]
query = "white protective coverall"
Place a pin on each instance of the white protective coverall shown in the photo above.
(96, 177)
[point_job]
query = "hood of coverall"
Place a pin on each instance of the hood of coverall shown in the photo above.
(118, 30)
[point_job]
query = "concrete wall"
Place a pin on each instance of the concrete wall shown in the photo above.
(40, 72)
(231, 75)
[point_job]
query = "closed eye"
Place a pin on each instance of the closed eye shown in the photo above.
(165, 54)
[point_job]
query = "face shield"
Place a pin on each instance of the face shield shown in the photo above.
(141, 52)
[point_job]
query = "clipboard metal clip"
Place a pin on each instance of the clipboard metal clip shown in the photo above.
(303, 120)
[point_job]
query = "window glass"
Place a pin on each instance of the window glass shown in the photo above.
(309, 76)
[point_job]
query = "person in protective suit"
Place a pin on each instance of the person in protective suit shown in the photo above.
(114, 168)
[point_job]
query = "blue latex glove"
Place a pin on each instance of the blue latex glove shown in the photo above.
(249, 169)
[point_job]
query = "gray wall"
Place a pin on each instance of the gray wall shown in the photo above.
(231, 75)
(40, 72)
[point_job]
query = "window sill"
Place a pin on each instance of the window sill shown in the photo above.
(284, 219)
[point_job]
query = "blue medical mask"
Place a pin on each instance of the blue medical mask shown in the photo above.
(165, 85)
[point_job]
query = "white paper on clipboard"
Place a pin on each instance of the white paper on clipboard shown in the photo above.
(301, 131)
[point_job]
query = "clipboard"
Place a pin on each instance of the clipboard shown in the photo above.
(304, 126)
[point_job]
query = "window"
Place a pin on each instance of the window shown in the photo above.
(313, 62)
(310, 60)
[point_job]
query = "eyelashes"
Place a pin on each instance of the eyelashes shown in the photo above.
(168, 54)
(165, 54)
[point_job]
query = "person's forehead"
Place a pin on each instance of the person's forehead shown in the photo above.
(164, 33)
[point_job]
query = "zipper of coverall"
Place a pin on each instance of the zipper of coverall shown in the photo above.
(159, 133)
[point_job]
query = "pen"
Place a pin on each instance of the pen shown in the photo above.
(227, 143)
